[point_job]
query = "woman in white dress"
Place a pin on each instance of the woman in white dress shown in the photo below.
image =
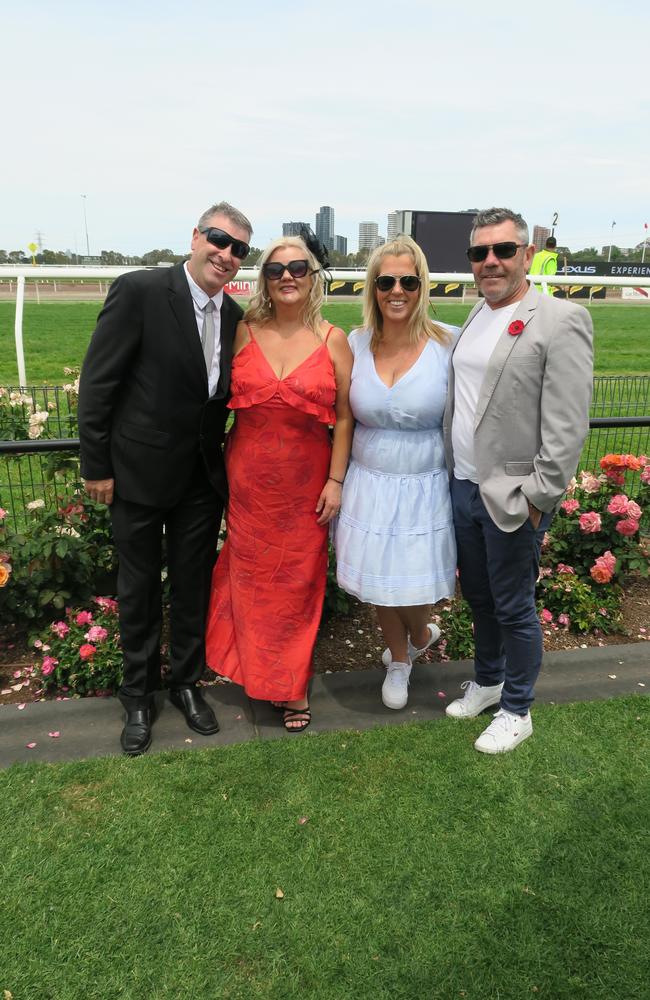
(394, 539)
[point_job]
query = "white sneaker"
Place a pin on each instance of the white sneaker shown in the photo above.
(413, 652)
(505, 732)
(475, 699)
(395, 689)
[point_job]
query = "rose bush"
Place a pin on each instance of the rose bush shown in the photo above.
(80, 654)
(600, 528)
(566, 601)
(55, 558)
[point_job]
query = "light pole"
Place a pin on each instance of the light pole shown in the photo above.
(611, 240)
(645, 242)
(83, 198)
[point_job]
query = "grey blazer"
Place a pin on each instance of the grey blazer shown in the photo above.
(532, 415)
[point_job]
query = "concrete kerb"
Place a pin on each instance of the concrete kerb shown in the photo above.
(90, 727)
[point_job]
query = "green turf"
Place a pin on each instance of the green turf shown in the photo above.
(423, 870)
(56, 335)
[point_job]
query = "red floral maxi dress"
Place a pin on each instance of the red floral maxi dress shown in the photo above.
(268, 583)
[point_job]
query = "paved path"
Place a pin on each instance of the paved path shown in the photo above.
(90, 727)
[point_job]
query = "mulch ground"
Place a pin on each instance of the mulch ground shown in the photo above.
(354, 642)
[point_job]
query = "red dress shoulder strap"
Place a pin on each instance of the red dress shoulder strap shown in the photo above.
(250, 330)
(327, 335)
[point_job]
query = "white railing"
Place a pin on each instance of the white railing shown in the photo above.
(27, 272)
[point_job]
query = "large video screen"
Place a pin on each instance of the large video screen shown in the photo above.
(444, 238)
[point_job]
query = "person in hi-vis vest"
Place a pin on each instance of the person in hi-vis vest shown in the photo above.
(545, 262)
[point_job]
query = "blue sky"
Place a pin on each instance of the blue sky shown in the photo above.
(155, 110)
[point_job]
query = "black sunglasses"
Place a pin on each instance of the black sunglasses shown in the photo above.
(223, 240)
(503, 251)
(296, 268)
(409, 282)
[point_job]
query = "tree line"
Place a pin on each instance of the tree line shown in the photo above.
(113, 258)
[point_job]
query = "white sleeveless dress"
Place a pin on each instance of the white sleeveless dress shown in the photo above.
(394, 537)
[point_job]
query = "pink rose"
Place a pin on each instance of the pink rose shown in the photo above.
(48, 665)
(570, 506)
(96, 633)
(563, 568)
(609, 560)
(3, 513)
(546, 616)
(107, 603)
(84, 618)
(602, 570)
(618, 504)
(627, 527)
(563, 620)
(60, 629)
(634, 511)
(86, 652)
(645, 475)
(590, 522)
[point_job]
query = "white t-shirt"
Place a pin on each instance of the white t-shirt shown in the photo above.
(470, 362)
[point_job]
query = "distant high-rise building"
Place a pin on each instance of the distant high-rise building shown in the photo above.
(341, 244)
(540, 236)
(368, 235)
(293, 228)
(325, 226)
(405, 222)
(391, 227)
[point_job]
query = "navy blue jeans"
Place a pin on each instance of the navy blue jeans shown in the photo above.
(498, 571)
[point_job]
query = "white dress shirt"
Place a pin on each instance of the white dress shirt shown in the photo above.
(200, 299)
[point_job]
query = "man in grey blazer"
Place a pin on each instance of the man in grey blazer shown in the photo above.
(516, 419)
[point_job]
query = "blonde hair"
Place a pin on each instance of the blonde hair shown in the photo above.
(260, 308)
(420, 323)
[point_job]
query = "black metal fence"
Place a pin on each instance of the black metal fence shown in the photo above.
(45, 467)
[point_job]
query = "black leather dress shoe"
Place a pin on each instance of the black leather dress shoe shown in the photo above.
(198, 714)
(136, 735)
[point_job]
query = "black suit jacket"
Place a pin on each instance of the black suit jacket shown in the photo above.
(144, 412)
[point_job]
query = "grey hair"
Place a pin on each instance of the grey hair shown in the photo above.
(495, 216)
(223, 208)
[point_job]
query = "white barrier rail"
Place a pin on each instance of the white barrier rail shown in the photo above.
(40, 272)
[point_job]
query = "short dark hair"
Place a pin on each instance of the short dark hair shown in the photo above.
(495, 216)
(551, 243)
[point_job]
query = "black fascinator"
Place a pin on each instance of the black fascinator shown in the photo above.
(311, 241)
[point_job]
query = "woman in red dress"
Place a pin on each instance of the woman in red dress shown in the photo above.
(290, 382)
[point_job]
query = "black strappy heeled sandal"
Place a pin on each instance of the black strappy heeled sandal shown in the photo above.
(298, 714)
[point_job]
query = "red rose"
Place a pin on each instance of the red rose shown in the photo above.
(515, 328)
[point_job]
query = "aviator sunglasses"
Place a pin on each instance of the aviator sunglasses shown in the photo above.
(223, 240)
(502, 251)
(296, 268)
(409, 282)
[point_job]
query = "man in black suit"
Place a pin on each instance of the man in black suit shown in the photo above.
(152, 414)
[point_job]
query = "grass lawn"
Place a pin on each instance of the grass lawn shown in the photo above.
(424, 871)
(56, 336)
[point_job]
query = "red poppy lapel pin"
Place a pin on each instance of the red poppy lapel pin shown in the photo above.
(516, 327)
